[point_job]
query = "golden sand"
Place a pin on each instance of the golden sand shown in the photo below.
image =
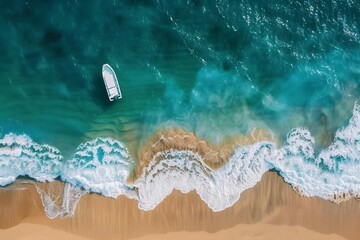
(269, 208)
(257, 231)
(28, 231)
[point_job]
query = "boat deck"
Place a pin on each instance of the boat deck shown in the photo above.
(111, 83)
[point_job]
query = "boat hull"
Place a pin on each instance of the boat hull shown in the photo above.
(111, 83)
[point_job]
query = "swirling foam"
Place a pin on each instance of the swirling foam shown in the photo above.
(334, 174)
(20, 156)
(59, 201)
(104, 166)
(186, 171)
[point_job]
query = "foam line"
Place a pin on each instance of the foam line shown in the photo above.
(20, 156)
(104, 165)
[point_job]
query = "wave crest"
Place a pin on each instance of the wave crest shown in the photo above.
(20, 156)
(102, 165)
(179, 160)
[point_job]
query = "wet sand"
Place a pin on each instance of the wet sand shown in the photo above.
(268, 210)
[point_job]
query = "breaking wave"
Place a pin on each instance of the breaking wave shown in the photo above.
(104, 166)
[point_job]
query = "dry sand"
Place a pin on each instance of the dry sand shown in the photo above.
(28, 231)
(270, 210)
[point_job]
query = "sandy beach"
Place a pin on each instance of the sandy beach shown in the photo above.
(268, 211)
(30, 231)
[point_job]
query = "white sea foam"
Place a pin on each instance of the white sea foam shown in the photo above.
(60, 203)
(336, 170)
(103, 166)
(186, 171)
(20, 156)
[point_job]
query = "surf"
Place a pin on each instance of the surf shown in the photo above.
(104, 165)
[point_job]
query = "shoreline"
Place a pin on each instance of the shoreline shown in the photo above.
(271, 202)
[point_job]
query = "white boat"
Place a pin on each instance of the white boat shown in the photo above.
(111, 83)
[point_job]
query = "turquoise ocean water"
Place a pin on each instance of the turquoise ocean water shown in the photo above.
(216, 68)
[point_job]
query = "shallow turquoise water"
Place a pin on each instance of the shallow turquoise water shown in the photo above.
(202, 65)
(217, 68)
